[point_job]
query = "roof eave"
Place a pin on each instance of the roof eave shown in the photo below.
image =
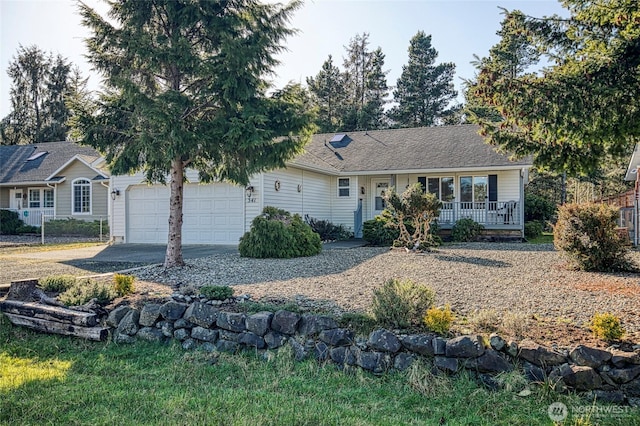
(435, 170)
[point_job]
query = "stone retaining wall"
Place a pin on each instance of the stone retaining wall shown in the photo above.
(608, 375)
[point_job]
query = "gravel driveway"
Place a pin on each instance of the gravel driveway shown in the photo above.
(473, 276)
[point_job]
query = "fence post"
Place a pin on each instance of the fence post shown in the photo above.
(42, 227)
(101, 228)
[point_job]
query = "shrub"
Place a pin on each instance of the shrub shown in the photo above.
(466, 229)
(515, 323)
(378, 231)
(75, 227)
(360, 323)
(401, 303)
(123, 284)
(277, 234)
(533, 229)
(439, 320)
(537, 208)
(57, 283)
(9, 222)
(328, 231)
(485, 319)
(606, 326)
(586, 235)
(85, 290)
(216, 292)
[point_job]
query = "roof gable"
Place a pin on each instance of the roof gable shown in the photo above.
(395, 150)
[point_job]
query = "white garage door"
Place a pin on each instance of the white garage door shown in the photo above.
(212, 214)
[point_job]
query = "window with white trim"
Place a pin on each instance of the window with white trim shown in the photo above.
(442, 187)
(47, 198)
(81, 196)
(344, 185)
(34, 198)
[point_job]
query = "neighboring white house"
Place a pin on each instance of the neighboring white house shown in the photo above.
(340, 178)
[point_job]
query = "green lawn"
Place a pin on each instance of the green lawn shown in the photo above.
(545, 238)
(65, 381)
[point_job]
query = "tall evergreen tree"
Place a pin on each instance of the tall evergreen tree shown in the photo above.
(186, 88)
(38, 86)
(327, 88)
(376, 91)
(424, 89)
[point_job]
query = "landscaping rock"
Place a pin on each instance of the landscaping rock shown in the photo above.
(439, 346)
(321, 351)
(622, 359)
(449, 365)
(226, 346)
(497, 342)
(299, 352)
(115, 316)
(252, 340)
(540, 355)
(590, 357)
(121, 338)
(274, 339)
(384, 341)
(229, 335)
(200, 314)
(613, 397)
(512, 348)
(173, 311)
(623, 375)
(464, 347)
(337, 337)
(182, 323)
(403, 360)
(580, 377)
(150, 334)
(167, 328)
(342, 355)
(129, 323)
(149, 314)
(285, 322)
(231, 321)
(420, 343)
(204, 334)
(259, 323)
(189, 344)
(180, 334)
(376, 362)
(489, 362)
(313, 324)
(489, 382)
(632, 388)
(533, 373)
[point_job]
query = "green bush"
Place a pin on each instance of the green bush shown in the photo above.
(123, 284)
(606, 326)
(586, 234)
(533, 229)
(57, 283)
(378, 232)
(439, 320)
(328, 231)
(401, 303)
(466, 229)
(216, 292)
(75, 227)
(9, 222)
(277, 234)
(85, 290)
(538, 208)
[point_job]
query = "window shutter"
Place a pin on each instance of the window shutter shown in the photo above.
(422, 180)
(493, 187)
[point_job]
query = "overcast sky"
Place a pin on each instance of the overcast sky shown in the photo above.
(459, 30)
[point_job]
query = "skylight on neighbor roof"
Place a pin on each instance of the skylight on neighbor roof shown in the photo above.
(338, 138)
(37, 155)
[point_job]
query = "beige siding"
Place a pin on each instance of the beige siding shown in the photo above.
(342, 208)
(99, 193)
(4, 198)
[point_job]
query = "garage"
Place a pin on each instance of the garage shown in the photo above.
(213, 214)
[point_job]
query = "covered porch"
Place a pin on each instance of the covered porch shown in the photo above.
(490, 214)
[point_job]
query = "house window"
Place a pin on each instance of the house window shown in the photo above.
(34, 198)
(81, 196)
(473, 191)
(343, 187)
(441, 187)
(47, 198)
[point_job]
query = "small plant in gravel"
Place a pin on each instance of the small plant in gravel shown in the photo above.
(216, 292)
(57, 283)
(360, 323)
(401, 303)
(607, 326)
(515, 323)
(123, 284)
(466, 229)
(484, 319)
(85, 290)
(188, 290)
(439, 319)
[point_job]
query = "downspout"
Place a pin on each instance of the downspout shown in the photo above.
(522, 173)
(55, 197)
(110, 209)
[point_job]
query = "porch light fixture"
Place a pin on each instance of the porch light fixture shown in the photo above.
(249, 190)
(115, 193)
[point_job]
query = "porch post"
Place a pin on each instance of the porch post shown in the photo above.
(521, 207)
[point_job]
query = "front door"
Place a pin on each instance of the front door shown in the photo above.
(15, 199)
(380, 189)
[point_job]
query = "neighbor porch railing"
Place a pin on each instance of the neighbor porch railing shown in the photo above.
(33, 217)
(491, 214)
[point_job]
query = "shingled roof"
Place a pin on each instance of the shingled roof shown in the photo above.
(22, 164)
(398, 150)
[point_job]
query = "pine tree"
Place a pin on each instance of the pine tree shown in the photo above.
(424, 90)
(328, 92)
(186, 88)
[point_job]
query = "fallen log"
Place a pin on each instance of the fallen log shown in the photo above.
(46, 326)
(49, 313)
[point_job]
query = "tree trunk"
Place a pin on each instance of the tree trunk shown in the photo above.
(173, 256)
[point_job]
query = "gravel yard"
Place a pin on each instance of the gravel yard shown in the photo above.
(522, 278)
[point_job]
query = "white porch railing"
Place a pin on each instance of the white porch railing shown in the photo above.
(493, 214)
(33, 217)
